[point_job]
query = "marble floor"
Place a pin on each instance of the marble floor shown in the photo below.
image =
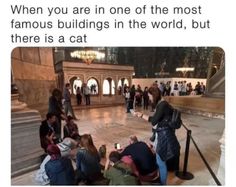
(111, 125)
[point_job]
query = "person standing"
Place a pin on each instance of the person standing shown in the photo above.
(132, 97)
(86, 92)
(145, 98)
(127, 97)
(67, 102)
(55, 107)
(166, 143)
(78, 96)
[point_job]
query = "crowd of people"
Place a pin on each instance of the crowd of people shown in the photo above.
(183, 88)
(136, 97)
(74, 159)
(84, 92)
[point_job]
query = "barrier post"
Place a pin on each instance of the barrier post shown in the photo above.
(185, 175)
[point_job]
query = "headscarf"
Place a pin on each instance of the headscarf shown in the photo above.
(53, 151)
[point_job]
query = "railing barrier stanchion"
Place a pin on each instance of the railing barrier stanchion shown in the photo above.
(185, 175)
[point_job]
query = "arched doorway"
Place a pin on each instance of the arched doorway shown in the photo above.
(108, 86)
(75, 83)
(92, 83)
(122, 83)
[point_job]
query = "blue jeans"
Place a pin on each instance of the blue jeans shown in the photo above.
(129, 105)
(68, 108)
(162, 169)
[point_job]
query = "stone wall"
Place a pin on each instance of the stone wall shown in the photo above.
(33, 73)
(206, 106)
(70, 71)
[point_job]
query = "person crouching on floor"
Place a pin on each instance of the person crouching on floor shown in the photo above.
(87, 161)
(58, 169)
(118, 172)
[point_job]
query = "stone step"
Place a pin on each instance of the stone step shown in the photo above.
(217, 94)
(21, 123)
(25, 143)
(25, 164)
(25, 113)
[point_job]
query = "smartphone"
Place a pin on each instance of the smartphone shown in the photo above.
(117, 146)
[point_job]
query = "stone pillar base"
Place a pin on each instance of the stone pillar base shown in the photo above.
(25, 143)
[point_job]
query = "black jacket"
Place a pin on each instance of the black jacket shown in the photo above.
(44, 130)
(167, 143)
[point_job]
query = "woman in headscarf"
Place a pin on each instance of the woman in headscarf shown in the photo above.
(59, 169)
(67, 148)
(87, 161)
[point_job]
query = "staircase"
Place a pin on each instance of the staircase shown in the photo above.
(25, 145)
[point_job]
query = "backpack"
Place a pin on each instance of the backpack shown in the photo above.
(175, 121)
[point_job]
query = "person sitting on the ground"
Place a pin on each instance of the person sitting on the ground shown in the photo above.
(67, 147)
(59, 169)
(118, 172)
(143, 158)
(87, 161)
(47, 132)
(127, 159)
(71, 129)
(102, 154)
(55, 107)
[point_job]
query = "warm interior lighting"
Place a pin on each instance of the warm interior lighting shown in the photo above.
(88, 56)
(185, 67)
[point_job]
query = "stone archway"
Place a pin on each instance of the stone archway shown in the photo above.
(71, 81)
(94, 86)
(108, 86)
(98, 72)
(77, 83)
(122, 82)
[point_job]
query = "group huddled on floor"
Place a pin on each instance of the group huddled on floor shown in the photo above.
(75, 160)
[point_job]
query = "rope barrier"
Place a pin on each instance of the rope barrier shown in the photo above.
(185, 174)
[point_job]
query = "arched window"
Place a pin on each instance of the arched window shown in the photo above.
(108, 87)
(126, 82)
(119, 88)
(113, 87)
(93, 86)
(121, 84)
(77, 83)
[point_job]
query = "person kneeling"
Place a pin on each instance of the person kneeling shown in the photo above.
(118, 172)
(59, 170)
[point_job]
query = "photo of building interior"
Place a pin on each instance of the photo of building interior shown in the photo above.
(95, 87)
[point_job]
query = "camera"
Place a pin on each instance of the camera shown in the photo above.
(117, 146)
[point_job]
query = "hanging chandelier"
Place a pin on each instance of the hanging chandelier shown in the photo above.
(87, 56)
(185, 67)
